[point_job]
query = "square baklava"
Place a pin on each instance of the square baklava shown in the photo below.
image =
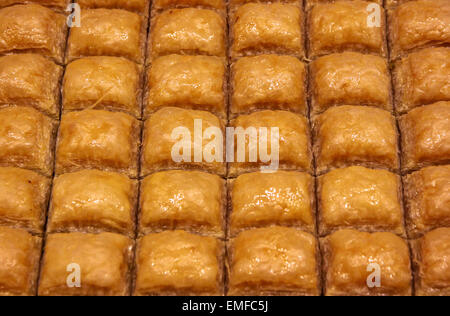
(58, 5)
(209, 4)
(138, 6)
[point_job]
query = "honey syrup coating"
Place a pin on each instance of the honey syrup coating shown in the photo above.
(394, 3)
(360, 198)
(26, 139)
(422, 78)
(30, 80)
(106, 32)
(273, 261)
(293, 147)
(310, 3)
(348, 135)
(159, 147)
(93, 200)
(188, 31)
(265, 199)
(103, 82)
(138, 6)
(23, 198)
(189, 200)
(103, 260)
(268, 82)
(343, 26)
(350, 79)
(191, 82)
(19, 260)
(267, 28)
(179, 263)
(97, 139)
(427, 194)
(32, 28)
(426, 135)
(59, 5)
(349, 253)
(432, 257)
(418, 24)
(210, 4)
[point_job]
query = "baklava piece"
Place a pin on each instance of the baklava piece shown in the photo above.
(30, 80)
(190, 200)
(284, 198)
(360, 198)
(59, 5)
(179, 263)
(107, 32)
(23, 198)
(192, 82)
(176, 138)
(422, 78)
(273, 261)
(418, 24)
(78, 264)
(432, 259)
(394, 3)
(32, 29)
(97, 139)
(93, 201)
(268, 82)
(348, 135)
(188, 31)
(209, 4)
(364, 264)
(138, 6)
(426, 136)
(19, 262)
(310, 3)
(427, 193)
(269, 140)
(344, 26)
(26, 139)
(112, 83)
(350, 79)
(267, 28)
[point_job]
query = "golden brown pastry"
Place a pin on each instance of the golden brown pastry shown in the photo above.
(394, 3)
(432, 258)
(268, 82)
(23, 198)
(351, 259)
(138, 6)
(343, 26)
(360, 198)
(19, 262)
(32, 28)
(293, 146)
(235, 3)
(169, 141)
(92, 201)
(350, 79)
(267, 28)
(310, 3)
(30, 80)
(179, 263)
(348, 135)
(264, 199)
(108, 32)
(97, 139)
(273, 261)
(26, 139)
(191, 82)
(112, 83)
(418, 24)
(188, 31)
(427, 193)
(102, 262)
(422, 78)
(426, 136)
(210, 4)
(190, 200)
(59, 5)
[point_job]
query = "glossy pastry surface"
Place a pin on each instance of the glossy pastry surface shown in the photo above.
(179, 263)
(192, 82)
(274, 260)
(268, 82)
(212, 4)
(102, 261)
(188, 200)
(138, 6)
(265, 199)
(59, 5)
